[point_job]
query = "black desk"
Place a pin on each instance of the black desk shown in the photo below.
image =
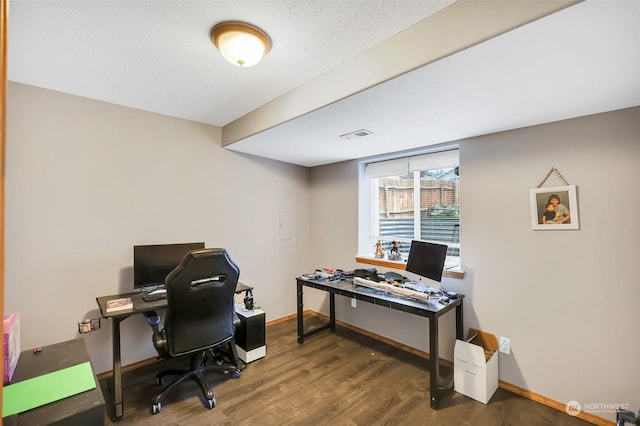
(85, 408)
(433, 311)
(139, 306)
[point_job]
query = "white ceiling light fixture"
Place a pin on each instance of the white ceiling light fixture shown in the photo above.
(240, 43)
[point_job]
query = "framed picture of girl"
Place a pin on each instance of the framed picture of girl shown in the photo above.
(554, 208)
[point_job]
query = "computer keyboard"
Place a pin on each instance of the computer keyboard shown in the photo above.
(154, 297)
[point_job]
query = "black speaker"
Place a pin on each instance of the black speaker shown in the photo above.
(251, 335)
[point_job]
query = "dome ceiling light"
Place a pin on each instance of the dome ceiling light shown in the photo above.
(240, 43)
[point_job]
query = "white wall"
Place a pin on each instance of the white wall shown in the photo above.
(566, 299)
(87, 180)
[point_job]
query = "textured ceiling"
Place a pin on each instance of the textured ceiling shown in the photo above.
(157, 56)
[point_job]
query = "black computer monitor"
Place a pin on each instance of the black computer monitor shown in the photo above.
(152, 263)
(427, 259)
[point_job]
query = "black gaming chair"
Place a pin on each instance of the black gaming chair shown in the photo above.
(199, 320)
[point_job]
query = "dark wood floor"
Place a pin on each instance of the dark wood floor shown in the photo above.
(342, 378)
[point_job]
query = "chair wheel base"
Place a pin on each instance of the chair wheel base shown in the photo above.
(155, 408)
(210, 403)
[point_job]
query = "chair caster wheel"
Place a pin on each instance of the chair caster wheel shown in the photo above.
(235, 374)
(210, 403)
(155, 408)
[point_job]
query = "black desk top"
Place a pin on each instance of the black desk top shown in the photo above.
(140, 305)
(379, 297)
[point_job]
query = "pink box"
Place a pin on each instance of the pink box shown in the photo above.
(11, 335)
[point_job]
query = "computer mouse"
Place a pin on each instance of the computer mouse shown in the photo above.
(452, 295)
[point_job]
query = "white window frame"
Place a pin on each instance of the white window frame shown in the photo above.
(368, 220)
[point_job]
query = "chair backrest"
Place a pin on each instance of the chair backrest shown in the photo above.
(200, 301)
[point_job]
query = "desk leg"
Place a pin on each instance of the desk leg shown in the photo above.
(434, 364)
(117, 371)
(459, 322)
(300, 314)
(332, 311)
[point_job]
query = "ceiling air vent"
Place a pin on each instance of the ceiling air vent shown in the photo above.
(356, 135)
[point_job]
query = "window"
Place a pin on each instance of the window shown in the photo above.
(410, 198)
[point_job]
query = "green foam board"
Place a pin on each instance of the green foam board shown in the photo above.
(51, 387)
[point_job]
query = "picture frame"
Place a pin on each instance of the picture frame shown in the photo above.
(553, 218)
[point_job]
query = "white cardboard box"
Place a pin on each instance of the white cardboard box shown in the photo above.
(475, 366)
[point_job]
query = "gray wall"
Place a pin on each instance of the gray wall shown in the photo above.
(87, 180)
(566, 299)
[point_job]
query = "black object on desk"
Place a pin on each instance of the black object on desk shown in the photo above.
(154, 297)
(85, 408)
(114, 383)
(433, 311)
(393, 276)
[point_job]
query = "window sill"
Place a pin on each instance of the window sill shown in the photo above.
(455, 272)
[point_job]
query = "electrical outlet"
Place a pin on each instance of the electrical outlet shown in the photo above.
(505, 345)
(353, 302)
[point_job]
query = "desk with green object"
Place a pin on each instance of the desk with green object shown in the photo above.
(55, 386)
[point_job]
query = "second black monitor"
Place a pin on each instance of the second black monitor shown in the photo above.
(152, 263)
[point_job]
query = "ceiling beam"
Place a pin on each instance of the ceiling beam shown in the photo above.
(457, 27)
